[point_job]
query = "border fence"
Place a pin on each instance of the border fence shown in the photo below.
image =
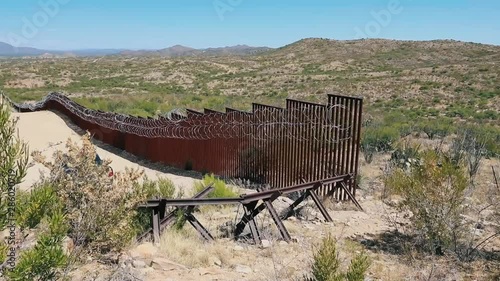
(281, 147)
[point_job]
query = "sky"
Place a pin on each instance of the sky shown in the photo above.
(155, 24)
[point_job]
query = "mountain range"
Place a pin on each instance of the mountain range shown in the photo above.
(7, 50)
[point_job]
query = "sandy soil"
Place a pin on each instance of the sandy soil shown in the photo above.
(48, 132)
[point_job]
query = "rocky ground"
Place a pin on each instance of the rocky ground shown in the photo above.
(183, 255)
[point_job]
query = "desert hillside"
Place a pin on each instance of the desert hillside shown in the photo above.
(428, 178)
(432, 78)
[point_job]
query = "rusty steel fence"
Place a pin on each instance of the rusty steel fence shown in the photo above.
(302, 142)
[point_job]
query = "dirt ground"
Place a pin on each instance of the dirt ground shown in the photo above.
(185, 256)
(48, 132)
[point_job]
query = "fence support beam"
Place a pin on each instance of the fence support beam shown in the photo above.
(197, 225)
(310, 192)
(281, 227)
(170, 217)
(249, 208)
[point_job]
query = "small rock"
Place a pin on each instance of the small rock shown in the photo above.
(292, 219)
(68, 245)
(138, 264)
(124, 259)
(226, 229)
(314, 214)
(290, 270)
(165, 265)
(283, 243)
(286, 200)
(265, 244)
(238, 248)
(29, 242)
(308, 226)
(145, 250)
(215, 261)
(147, 270)
(242, 269)
(210, 271)
(478, 232)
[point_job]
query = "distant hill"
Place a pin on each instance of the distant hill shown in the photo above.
(174, 51)
(183, 51)
(376, 54)
(309, 50)
(236, 50)
(96, 52)
(7, 50)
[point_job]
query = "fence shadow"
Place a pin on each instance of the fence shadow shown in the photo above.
(396, 243)
(390, 242)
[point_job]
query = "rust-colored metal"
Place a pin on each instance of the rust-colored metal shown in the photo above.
(320, 141)
(250, 206)
(172, 216)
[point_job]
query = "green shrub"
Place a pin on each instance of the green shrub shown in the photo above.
(439, 127)
(358, 267)
(180, 219)
(376, 138)
(161, 188)
(43, 262)
(13, 163)
(433, 192)
(381, 138)
(166, 188)
(487, 134)
(326, 264)
(404, 129)
(33, 206)
(47, 259)
(3, 251)
(101, 210)
(405, 154)
(220, 188)
(56, 222)
(469, 148)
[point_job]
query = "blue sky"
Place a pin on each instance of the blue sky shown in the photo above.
(149, 24)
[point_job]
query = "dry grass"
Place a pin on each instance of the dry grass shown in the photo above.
(187, 248)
